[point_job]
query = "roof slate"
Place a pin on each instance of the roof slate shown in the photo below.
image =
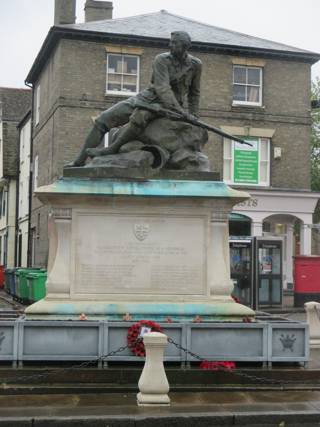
(14, 103)
(161, 24)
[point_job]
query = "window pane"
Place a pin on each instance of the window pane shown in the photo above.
(252, 94)
(227, 149)
(239, 93)
(114, 82)
(254, 76)
(130, 65)
(129, 88)
(130, 83)
(264, 173)
(264, 291)
(227, 170)
(239, 75)
(276, 291)
(113, 86)
(132, 80)
(264, 149)
(114, 64)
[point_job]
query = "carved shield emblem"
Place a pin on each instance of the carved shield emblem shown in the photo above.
(141, 231)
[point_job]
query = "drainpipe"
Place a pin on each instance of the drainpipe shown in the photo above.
(29, 253)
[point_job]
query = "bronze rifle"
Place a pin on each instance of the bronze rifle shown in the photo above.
(176, 115)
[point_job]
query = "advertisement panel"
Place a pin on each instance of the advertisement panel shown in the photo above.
(246, 162)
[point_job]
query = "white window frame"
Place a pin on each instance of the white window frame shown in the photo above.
(37, 106)
(260, 86)
(230, 161)
(123, 92)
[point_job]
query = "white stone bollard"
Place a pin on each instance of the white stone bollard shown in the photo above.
(153, 383)
(313, 318)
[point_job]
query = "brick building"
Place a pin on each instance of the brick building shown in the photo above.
(251, 87)
(14, 104)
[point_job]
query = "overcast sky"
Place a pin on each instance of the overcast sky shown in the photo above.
(25, 23)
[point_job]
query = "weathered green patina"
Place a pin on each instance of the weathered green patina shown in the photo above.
(148, 188)
(156, 311)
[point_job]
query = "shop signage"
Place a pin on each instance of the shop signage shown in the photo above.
(246, 162)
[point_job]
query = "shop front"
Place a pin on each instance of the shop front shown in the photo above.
(281, 223)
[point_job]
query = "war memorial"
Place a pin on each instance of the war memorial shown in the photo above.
(138, 231)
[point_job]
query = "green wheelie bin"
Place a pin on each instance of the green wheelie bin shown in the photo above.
(37, 285)
(22, 289)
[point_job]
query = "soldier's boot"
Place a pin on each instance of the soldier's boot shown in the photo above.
(93, 139)
(126, 134)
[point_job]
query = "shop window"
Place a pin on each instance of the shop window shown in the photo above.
(247, 85)
(247, 165)
(122, 74)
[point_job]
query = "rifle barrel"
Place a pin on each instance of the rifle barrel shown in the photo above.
(177, 116)
(220, 132)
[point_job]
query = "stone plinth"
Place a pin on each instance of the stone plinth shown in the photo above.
(139, 249)
(313, 318)
(153, 383)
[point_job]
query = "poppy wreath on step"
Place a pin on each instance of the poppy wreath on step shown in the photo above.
(136, 345)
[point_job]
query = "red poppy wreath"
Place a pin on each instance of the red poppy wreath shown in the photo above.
(136, 345)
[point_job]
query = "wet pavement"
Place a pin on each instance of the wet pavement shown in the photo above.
(205, 409)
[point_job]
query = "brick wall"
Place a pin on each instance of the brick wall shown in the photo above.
(14, 105)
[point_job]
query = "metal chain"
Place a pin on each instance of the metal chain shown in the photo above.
(237, 372)
(70, 368)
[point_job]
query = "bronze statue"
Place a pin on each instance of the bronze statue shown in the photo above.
(175, 82)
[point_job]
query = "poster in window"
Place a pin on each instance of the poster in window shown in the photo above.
(246, 162)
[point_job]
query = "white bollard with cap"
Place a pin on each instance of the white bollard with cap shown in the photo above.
(153, 383)
(313, 318)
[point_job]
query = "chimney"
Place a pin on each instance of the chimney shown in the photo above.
(64, 12)
(97, 10)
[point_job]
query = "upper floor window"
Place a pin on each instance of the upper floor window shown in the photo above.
(37, 105)
(245, 165)
(122, 74)
(247, 85)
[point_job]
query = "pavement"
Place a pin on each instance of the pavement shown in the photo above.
(206, 409)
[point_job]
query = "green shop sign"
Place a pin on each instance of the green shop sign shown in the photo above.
(246, 162)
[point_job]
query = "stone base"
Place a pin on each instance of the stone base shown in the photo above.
(264, 341)
(153, 399)
(131, 250)
(161, 312)
(314, 343)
